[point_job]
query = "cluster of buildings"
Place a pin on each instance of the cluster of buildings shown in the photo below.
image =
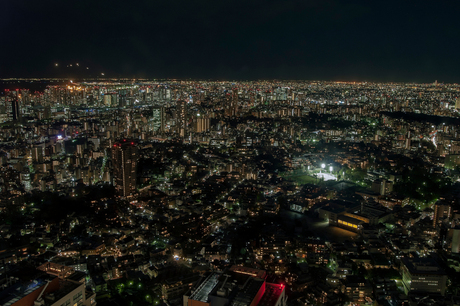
(211, 193)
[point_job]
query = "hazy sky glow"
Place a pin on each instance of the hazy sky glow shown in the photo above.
(240, 39)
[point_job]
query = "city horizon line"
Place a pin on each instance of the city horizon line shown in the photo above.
(435, 82)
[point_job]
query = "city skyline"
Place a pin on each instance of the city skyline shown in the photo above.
(271, 193)
(229, 153)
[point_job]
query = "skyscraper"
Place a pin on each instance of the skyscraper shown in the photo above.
(158, 120)
(122, 98)
(125, 159)
(181, 117)
(232, 108)
(200, 124)
(13, 110)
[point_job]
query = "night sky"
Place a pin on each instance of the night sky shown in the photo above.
(403, 41)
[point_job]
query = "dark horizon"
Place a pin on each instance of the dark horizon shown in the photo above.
(239, 40)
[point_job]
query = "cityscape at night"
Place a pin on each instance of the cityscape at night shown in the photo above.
(217, 153)
(191, 192)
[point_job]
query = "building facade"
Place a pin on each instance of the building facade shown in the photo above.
(125, 158)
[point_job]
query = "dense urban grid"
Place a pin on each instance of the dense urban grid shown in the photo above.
(207, 193)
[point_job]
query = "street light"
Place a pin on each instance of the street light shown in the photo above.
(323, 166)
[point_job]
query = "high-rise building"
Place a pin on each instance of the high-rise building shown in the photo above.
(200, 124)
(125, 159)
(122, 98)
(25, 180)
(158, 119)
(107, 100)
(38, 152)
(232, 108)
(442, 210)
(181, 117)
(13, 110)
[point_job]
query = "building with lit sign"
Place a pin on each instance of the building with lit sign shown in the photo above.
(422, 275)
(241, 288)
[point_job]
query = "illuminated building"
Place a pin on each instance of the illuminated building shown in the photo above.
(350, 223)
(49, 290)
(125, 159)
(234, 104)
(158, 120)
(357, 288)
(122, 98)
(38, 152)
(181, 117)
(422, 275)
(25, 180)
(222, 289)
(107, 100)
(441, 210)
(200, 124)
(13, 110)
(165, 94)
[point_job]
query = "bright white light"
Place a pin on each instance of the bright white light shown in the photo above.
(323, 166)
(330, 168)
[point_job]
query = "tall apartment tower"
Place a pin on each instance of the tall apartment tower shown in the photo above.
(13, 110)
(181, 117)
(125, 157)
(200, 124)
(441, 210)
(122, 98)
(158, 119)
(233, 108)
